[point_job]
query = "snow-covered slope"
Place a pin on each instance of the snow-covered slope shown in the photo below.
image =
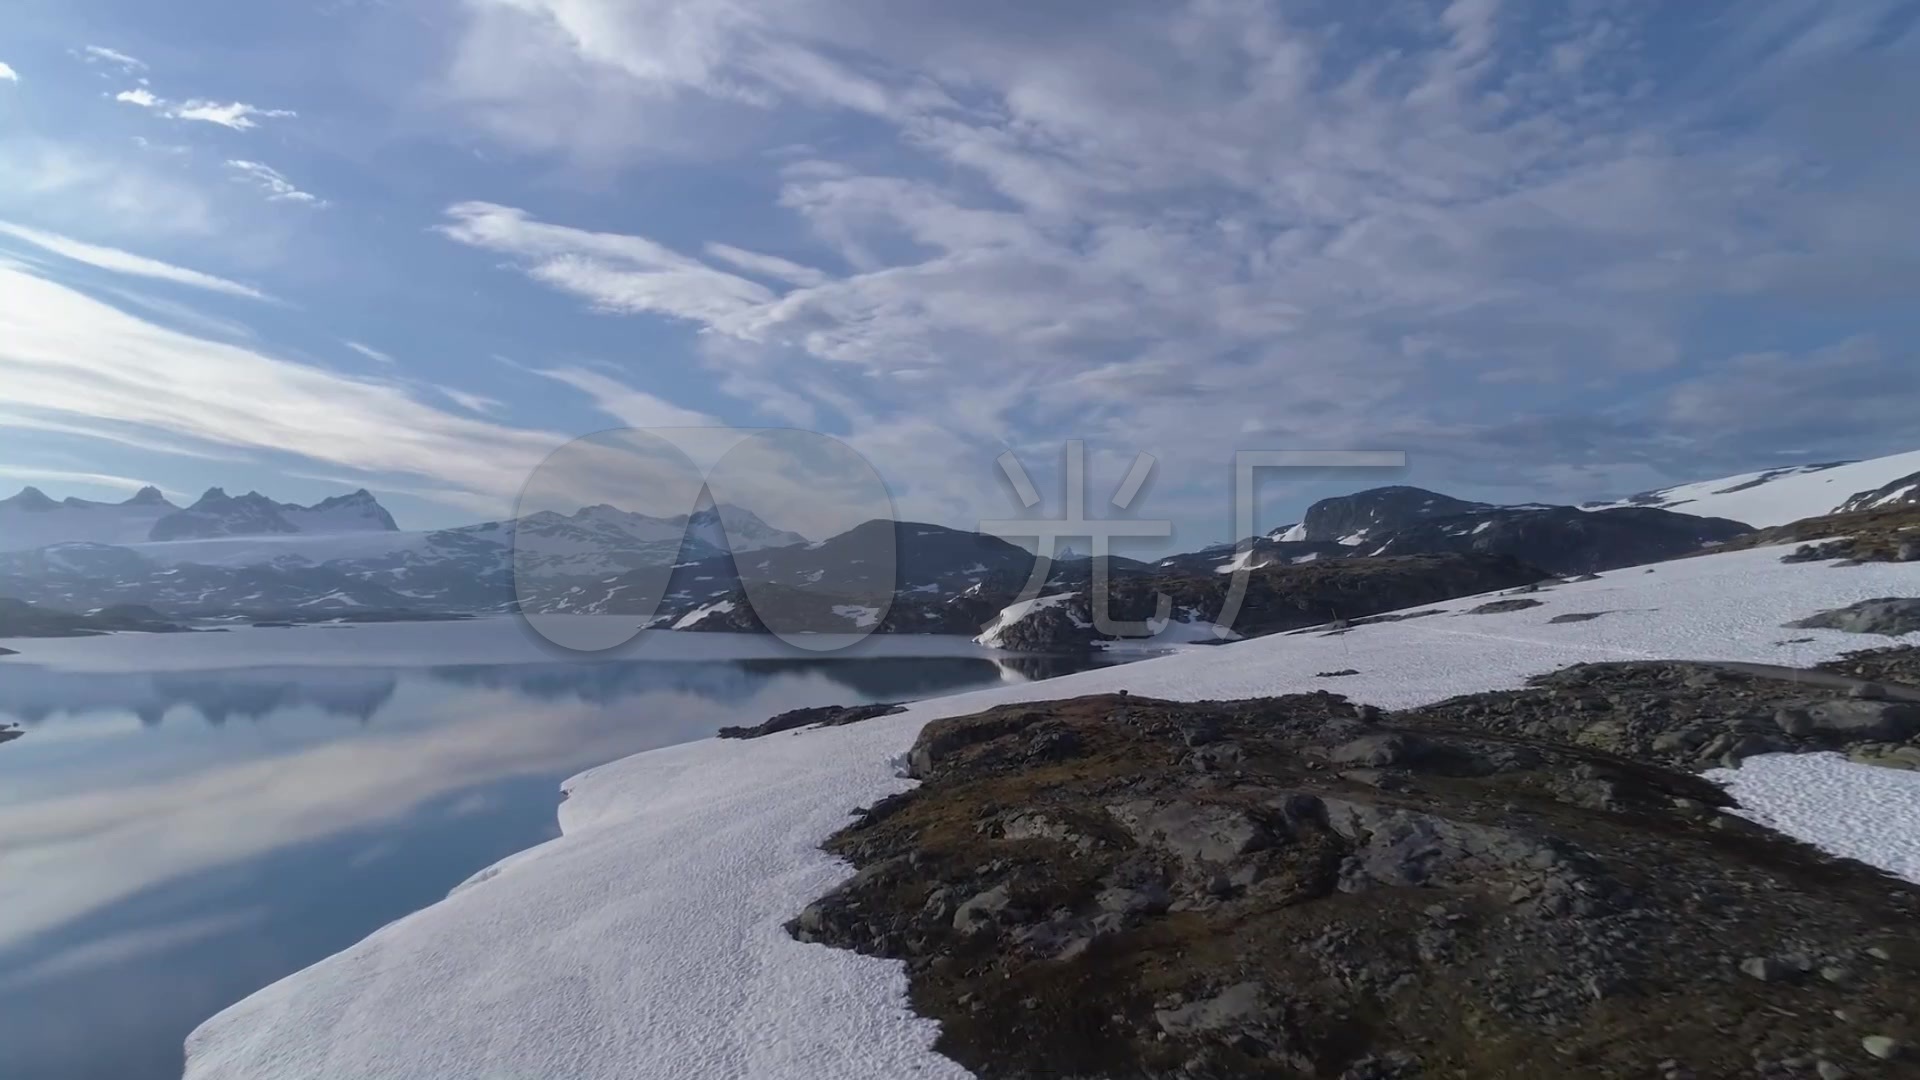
(32, 520)
(648, 940)
(1777, 496)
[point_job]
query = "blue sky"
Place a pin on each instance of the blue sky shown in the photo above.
(1551, 251)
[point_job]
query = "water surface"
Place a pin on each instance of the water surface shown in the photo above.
(190, 817)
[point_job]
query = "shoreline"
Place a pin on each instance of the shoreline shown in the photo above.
(685, 863)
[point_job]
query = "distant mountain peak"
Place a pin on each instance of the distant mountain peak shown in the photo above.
(30, 498)
(148, 496)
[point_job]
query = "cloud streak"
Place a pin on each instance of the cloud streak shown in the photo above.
(273, 182)
(71, 362)
(125, 262)
(234, 115)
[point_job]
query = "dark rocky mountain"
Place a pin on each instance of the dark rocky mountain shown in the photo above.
(218, 514)
(1366, 516)
(30, 500)
(1904, 491)
(1565, 539)
(1278, 597)
(1262, 551)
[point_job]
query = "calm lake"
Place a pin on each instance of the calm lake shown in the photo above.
(192, 816)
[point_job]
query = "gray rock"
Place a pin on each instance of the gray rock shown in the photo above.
(1498, 607)
(1827, 1070)
(1886, 721)
(1888, 615)
(1382, 750)
(1882, 1047)
(1240, 1004)
(1196, 832)
(1149, 899)
(1766, 969)
(980, 911)
(1794, 721)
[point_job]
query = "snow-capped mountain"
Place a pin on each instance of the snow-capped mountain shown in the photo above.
(1778, 496)
(31, 519)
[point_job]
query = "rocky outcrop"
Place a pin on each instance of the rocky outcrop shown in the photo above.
(1295, 886)
(1891, 616)
(1883, 534)
(820, 716)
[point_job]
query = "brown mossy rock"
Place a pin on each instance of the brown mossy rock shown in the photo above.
(1296, 886)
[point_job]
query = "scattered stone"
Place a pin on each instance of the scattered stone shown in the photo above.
(1766, 969)
(1827, 1070)
(1882, 1047)
(1577, 616)
(1335, 674)
(1891, 616)
(1497, 607)
(822, 716)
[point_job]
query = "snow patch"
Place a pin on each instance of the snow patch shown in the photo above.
(648, 940)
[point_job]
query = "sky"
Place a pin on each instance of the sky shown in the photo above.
(1551, 252)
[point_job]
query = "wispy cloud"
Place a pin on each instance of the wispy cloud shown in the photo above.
(7, 74)
(235, 115)
(276, 185)
(371, 353)
(101, 54)
(1161, 230)
(69, 476)
(474, 403)
(629, 274)
(125, 262)
(68, 360)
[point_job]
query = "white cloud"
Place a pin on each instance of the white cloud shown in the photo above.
(125, 262)
(32, 474)
(371, 353)
(275, 184)
(474, 403)
(618, 273)
(7, 74)
(236, 115)
(1160, 228)
(101, 54)
(634, 408)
